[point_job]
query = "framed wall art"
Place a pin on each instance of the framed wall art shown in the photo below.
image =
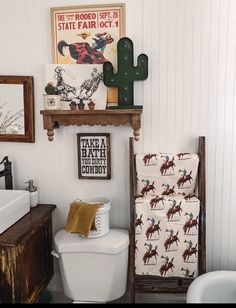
(88, 35)
(75, 82)
(17, 109)
(94, 156)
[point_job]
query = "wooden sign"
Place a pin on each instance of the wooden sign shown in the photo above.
(94, 159)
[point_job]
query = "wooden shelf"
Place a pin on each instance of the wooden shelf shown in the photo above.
(54, 118)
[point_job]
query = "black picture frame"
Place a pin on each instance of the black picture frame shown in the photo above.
(94, 156)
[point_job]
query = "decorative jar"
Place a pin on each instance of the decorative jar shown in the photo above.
(52, 102)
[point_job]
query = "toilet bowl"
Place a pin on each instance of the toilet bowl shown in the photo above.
(93, 270)
(213, 287)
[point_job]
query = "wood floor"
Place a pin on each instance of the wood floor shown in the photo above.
(165, 298)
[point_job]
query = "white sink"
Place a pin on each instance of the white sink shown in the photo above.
(14, 204)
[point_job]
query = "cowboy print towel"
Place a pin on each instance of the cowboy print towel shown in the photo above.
(166, 174)
(167, 214)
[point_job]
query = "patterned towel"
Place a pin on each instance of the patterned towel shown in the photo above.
(167, 215)
(166, 174)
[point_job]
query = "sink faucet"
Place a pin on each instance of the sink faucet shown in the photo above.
(6, 172)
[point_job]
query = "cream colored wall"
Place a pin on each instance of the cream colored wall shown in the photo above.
(190, 92)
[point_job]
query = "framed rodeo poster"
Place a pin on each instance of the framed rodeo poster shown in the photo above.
(87, 34)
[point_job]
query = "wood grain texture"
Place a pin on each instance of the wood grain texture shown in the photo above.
(26, 265)
(54, 118)
(27, 83)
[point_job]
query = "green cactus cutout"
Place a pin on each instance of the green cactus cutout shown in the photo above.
(126, 74)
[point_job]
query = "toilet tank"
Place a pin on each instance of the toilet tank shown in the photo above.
(93, 269)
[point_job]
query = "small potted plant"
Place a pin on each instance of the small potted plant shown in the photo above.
(72, 105)
(81, 104)
(52, 99)
(91, 104)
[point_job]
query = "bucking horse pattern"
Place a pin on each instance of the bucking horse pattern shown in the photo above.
(167, 215)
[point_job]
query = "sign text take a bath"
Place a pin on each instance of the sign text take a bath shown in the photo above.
(94, 156)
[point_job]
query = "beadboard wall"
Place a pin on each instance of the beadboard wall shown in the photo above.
(190, 91)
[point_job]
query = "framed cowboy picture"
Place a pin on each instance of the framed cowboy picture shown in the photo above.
(94, 156)
(75, 82)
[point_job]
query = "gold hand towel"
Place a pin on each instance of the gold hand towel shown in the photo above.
(81, 218)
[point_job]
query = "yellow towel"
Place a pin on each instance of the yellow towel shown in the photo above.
(81, 218)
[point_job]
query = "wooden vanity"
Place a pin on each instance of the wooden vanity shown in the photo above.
(26, 263)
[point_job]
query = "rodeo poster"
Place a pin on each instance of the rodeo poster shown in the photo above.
(86, 34)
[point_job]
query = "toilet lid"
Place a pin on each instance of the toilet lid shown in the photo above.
(113, 242)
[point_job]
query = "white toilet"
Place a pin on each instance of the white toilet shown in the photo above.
(93, 270)
(213, 287)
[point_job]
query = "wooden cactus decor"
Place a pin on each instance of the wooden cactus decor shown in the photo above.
(126, 74)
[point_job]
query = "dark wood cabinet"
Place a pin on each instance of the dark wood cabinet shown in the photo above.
(26, 263)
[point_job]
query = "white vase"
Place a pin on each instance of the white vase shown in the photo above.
(52, 102)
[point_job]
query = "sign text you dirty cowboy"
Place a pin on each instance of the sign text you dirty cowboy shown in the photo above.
(94, 156)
